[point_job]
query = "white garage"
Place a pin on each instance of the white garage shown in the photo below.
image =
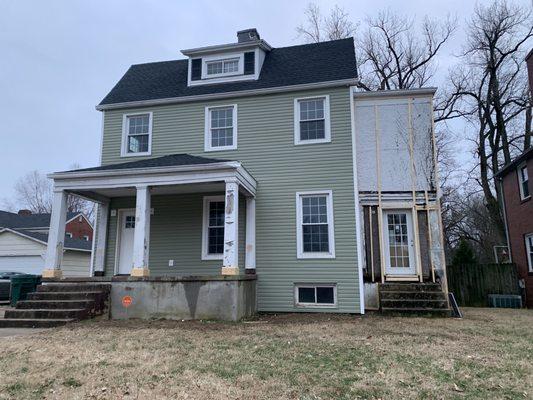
(23, 251)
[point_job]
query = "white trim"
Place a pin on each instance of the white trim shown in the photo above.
(207, 128)
(249, 258)
(413, 250)
(262, 44)
(297, 287)
(228, 95)
(529, 255)
(300, 254)
(101, 139)
(84, 217)
(93, 247)
(429, 91)
(327, 122)
(205, 224)
(68, 235)
(124, 145)
(358, 225)
(519, 169)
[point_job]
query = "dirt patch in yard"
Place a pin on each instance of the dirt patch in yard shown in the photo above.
(488, 354)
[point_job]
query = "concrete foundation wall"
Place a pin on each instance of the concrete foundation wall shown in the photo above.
(187, 298)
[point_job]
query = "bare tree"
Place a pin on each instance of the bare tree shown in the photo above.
(33, 191)
(318, 28)
(491, 87)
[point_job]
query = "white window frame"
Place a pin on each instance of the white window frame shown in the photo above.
(207, 132)
(297, 287)
(529, 256)
(222, 57)
(68, 234)
(300, 254)
(521, 181)
(125, 134)
(327, 122)
(205, 230)
(86, 238)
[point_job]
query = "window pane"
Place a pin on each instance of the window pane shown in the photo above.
(138, 143)
(221, 127)
(138, 124)
(324, 295)
(306, 295)
(215, 233)
(214, 68)
(310, 130)
(231, 66)
(311, 109)
(315, 238)
(314, 210)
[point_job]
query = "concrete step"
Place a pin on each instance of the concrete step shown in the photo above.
(418, 295)
(413, 303)
(419, 311)
(78, 313)
(55, 304)
(73, 287)
(69, 295)
(32, 323)
(410, 287)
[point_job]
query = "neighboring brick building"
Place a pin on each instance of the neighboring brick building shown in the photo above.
(518, 213)
(518, 207)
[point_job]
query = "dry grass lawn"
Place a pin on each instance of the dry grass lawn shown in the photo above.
(488, 354)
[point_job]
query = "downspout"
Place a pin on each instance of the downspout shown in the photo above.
(502, 205)
(357, 208)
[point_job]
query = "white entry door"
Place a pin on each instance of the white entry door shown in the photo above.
(399, 242)
(125, 255)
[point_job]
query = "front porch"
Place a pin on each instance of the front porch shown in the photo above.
(174, 235)
(180, 219)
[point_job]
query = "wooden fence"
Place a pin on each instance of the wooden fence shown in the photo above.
(472, 283)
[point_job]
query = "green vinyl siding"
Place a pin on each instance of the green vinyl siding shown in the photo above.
(266, 149)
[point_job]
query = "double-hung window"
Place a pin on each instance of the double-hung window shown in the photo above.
(523, 181)
(221, 128)
(315, 231)
(213, 228)
(311, 120)
(222, 67)
(529, 251)
(137, 134)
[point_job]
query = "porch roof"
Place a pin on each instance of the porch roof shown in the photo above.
(100, 183)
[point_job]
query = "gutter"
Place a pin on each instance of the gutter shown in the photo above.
(228, 95)
(429, 91)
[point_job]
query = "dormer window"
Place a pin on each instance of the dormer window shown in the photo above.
(222, 67)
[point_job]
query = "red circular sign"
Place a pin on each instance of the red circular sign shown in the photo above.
(126, 301)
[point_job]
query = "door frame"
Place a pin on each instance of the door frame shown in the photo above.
(415, 275)
(120, 217)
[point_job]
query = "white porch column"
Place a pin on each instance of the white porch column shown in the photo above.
(141, 236)
(56, 236)
(101, 237)
(249, 263)
(231, 229)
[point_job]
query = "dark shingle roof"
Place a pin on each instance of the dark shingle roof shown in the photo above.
(526, 155)
(70, 243)
(284, 66)
(171, 160)
(12, 220)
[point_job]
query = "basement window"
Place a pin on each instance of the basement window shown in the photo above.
(523, 181)
(311, 295)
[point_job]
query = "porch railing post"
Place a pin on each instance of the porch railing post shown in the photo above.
(231, 229)
(249, 262)
(141, 235)
(56, 236)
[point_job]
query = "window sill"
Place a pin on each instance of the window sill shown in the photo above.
(225, 148)
(312, 141)
(136, 154)
(207, 257)
(318, 256)
(315, 305)
(525, 199)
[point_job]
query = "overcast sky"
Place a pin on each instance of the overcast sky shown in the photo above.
(58, 59)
